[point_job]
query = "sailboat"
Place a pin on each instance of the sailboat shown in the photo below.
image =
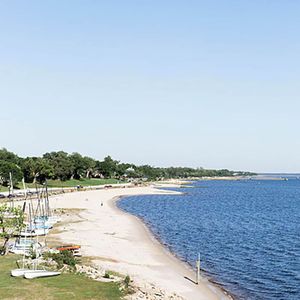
(21, 271)
(37, 273)
(39, 221)
(40, 273)
(43, 217)
(34, 229)
(24, 245)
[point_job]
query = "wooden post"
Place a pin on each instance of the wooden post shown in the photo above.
(198, 269)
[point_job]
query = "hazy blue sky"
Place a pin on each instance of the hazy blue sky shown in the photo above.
(195, 83)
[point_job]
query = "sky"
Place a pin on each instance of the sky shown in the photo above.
(213, 84)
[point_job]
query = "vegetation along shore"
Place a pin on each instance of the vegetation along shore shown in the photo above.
(61, 228)
(61, 169)
(117, 251)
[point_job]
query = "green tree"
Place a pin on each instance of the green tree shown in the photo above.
(36, 168)
(11, 223)
(151, 173)
(8, 156)
(7, 167)
(109, 167)
(61, 163)
(78, 165)
(89, 165)
(83, 166)
(124, 169)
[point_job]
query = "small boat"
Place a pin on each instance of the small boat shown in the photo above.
(38, 224)
(41, 226)
(40, 273)
(34, 232)
(20, 272)
(68, 247)
(74, 249)
(47, 219)
(23, 246)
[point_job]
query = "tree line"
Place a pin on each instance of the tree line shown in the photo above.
(64, 166)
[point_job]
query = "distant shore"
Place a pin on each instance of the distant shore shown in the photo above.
(120, 242)
(256, 177)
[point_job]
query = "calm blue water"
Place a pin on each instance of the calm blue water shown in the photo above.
(248, 233)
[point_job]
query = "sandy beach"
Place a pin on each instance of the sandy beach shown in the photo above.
(120, 242)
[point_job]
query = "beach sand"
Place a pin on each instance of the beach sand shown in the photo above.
(120, 242)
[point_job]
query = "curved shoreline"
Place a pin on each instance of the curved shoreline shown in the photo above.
(156, 239)
(120, 241)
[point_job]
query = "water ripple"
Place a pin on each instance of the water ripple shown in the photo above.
(248, 233)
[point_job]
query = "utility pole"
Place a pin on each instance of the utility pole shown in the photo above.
(198, 269)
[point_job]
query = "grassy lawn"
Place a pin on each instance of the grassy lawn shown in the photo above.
(64, 287)
(69, 183)
(83, 182)
(3, 189)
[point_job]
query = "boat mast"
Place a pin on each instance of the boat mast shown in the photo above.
(47, 200)
(11, 189)
(24, 187)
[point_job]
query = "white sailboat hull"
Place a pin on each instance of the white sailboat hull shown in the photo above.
(40, 273)
(25, 248)
(20, 272)
(35, 232)
(20, 251)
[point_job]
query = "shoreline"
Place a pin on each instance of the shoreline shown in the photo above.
(127, 245)
(156, 239)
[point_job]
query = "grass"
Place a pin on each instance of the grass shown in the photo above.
(69, 183)
(82, 182)
(63, 287)
(3, 188)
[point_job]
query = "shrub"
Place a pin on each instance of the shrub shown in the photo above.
(62, 258)
(127, 281)
(32, 253)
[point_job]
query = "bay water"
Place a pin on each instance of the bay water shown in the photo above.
(247, 232)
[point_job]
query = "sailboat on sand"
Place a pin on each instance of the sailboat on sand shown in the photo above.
(35, 227)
